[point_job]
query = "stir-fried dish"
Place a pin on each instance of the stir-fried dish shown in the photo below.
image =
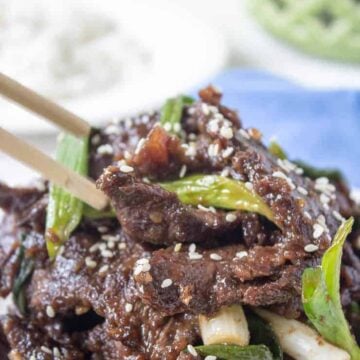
(214, 247)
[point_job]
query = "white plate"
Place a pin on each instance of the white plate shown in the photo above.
(186, 50)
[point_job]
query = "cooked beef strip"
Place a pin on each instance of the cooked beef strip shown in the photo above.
(162, 321)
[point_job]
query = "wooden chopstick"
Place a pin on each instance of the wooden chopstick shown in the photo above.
(57, 173)
(38, 104)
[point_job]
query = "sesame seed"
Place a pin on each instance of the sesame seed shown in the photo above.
(249, 185)
(182, 171)
(177, 247)
(142, 261)
(195, 256)
(94, 247)
(128, 307)
(32, 357)
(50, 312)
(126, 168)
(95, 140)
(90, 263)
(225, 172)
(213, 125)
(177, 127)
(281, 175)
(318, 231)
(192, 350)
(210, 357)
(192, 248)
(107, 253)
(226, 132)
(105, 149)
(56, 352)
(215, 257)
(205, 109)
(208, 209)
(167, 126)
(213, 150)
(111, 244)
(102, 247)
(241, 254)
(191, 150)
(102, 229)
(46, 350)
(227, 152)
(192, 136)
(127, 155)
(244, 133)
(311, 248)
(338, 216)
(307, 214)
(166, 283)
(122, 246)
(109, 237)
(230, 217)
(104, 269)
(112, 130)
(302, 190)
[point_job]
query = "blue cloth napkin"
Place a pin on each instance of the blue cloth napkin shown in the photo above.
(321, 127)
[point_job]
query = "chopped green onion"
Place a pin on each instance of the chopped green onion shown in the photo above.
(235, 352)
(321, 296)
(23, 275)
(65, 210)
(220, 192)
(262, 333)
(171, 113)
(227, 326)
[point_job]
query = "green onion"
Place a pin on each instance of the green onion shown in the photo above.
(235, 352)
(65, 210)
(171, 113)
(276, 150)
(321, 296)
(262, 333)
(23, 275)
(220, 192)
(92, 213)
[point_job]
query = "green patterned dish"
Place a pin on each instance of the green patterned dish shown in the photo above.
(328, 28)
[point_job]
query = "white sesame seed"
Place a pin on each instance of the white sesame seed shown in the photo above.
(227, 152)
(177, 247)
(182, 171)
(107, 253)
(126, 168)
(213, 126)
(94, 247)
(112, 130)
(32, 357)
(56, 352)
(95, 140)
(167, 126)
(302, 190)
(192, 248)
(226, 132)
(90, 263)
(230, 217)
(137, 270)
(205, 109)
(128, 307)
(102, 229)
(225, 172)
(281, 175)
(46, 350)
(318, 231)
(122, 246)
(215, 257)
(191, 111)
(104, 269)
(208, 209)
(241, 254)
(105, 149)
(50, 312)
(191, 150)
(146, 267)
(192, 136)
(142, 261)
(195, 256)
(166, 283)
(307, 214)
(111, 244)
(109, 237)
(102, 246)
(244, 133)
(210, 357)
(324, 199)
(249, 185)
(311, 248)
(192, 350)
(338, 216)
(127, 155)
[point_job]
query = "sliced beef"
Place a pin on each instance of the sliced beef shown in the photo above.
(204, 280)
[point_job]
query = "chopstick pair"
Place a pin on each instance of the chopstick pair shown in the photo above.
(79, 186)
